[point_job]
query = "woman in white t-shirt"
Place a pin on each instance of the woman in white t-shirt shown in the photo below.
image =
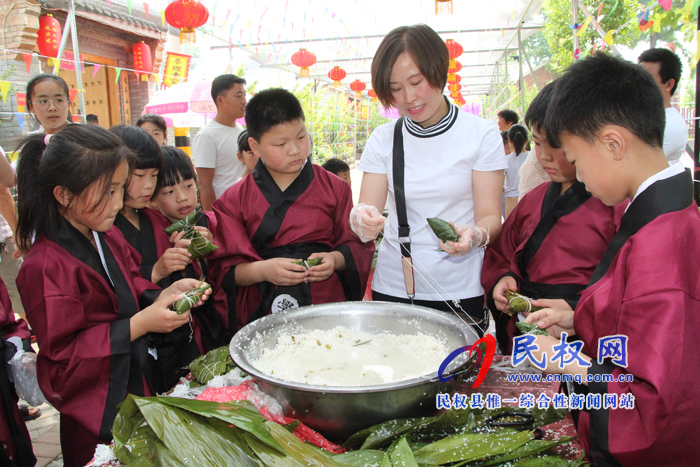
(452, 169)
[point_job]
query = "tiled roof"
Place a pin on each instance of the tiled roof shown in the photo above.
(117, 10)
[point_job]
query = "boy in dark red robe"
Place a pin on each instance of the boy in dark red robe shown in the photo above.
(553, 239)
(288, 210)
(608, 116)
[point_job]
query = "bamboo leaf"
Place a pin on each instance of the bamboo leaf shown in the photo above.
(241, 414)
(443, 229)
(530, 448)
(361, 458)
(401, 455)
(470, 446)
(384, 434)
(268, 456)
(308, 454)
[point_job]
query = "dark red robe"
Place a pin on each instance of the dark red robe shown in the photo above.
(647, 287)
(15, 443)
(256, 221)
(550, 244)
(87, 363)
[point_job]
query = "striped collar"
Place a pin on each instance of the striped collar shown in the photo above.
(433, 130)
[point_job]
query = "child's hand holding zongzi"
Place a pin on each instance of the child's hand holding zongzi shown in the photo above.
(470, 238)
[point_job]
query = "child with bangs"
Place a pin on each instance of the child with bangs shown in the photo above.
(287, 210)
(175, 197)
(143, 228)
(81, 287)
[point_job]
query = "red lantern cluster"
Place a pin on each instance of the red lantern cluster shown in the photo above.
(372, 94)
(452, 72)
(454, 87)
(455, 79)
(337, 74)
(186, 15)
(358, 86)
(142, 60)
(49, 36)
(455, 50)
(304, 59)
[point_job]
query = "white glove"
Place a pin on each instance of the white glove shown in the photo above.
(366, 221)
(469, 239)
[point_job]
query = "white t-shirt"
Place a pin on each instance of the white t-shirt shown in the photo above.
(512, 180)
(216, 147)
(439, 161)
(675, 135)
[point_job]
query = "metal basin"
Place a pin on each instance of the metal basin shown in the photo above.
(339, 411)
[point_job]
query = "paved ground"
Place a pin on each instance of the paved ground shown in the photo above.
(45, 438)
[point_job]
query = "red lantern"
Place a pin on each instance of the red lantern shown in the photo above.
(142, 60)
(49, 36)
(304, 59)
(454, 94)
(358, 86)
(455, 50)
(455, 87)
(455, 79)
(372, 94)
(186, 15)
(337, 74)
(453, 70)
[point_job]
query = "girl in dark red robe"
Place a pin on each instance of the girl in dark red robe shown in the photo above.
(80, 284)
(176, 198)
(174, 351)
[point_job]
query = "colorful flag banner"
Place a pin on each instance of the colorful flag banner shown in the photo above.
(4, 89)
(119, 72)
(20, 119)
(94, 72)
(28, 61)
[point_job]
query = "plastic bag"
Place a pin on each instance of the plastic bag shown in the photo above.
(23, 367)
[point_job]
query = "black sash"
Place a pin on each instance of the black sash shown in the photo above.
(554, 207)
(398, 164)
(662, 197)
(69, 238)
(24, 456)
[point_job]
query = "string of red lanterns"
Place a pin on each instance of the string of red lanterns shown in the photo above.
(358, 86)
(337, 74)
(304, 59)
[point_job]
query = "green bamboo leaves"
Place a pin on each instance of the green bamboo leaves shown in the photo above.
(216, 362)
(518, 303)
(528, 328)
(190, 299)
(443, 229)
(309, 262)
(199, 246)
(469, 447)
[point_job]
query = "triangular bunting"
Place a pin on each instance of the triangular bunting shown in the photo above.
(28, 62)
(162, 17)
(94, 72)
(4, 89)
(145, 8)
(73, 93)
(609, 37)
(20, 119)
(584, 26)
(665, 4)
(119, 72)
(128, 5)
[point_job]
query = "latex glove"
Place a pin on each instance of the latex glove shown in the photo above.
(366, 221)
(469, 239)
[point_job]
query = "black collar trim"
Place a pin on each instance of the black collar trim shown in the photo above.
(433, 130)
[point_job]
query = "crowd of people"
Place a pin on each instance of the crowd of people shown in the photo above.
(596, 245)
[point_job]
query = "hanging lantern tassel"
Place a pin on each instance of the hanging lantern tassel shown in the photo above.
(443, 7)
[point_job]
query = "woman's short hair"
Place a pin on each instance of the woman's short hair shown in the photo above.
(425, 47)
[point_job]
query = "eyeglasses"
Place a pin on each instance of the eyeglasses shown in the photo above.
(43, 104)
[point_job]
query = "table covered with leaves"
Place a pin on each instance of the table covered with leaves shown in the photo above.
(172, 431)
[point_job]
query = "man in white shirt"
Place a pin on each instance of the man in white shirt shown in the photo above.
(215, 147)
(665, 67)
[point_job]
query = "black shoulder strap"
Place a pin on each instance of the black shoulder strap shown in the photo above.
(399, 191)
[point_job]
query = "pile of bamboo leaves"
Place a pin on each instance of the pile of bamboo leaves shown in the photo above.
(168, 431)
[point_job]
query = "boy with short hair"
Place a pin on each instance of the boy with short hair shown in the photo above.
(338, 167)
(552, 241)
(608, 116)
(288, 210)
